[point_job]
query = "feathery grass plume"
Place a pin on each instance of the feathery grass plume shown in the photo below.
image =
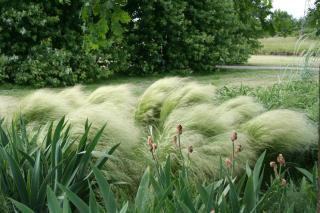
(187, 95)
(7, 108)
(281, 131)
(74, 96)
(120, 128)
(210, 120)
(119, 95)
(43, 106)
(238, 110)
(150, 103)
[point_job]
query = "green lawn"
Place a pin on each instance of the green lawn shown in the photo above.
(220, 78)
(281, 60)
(286, 46)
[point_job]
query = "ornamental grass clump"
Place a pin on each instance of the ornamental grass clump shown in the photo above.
(150, 103)
(7, 108)
(118, 95)
(188, 95)
(120, 128)
(43, 106)
(207, 125)
(282, 131)
(74, 96)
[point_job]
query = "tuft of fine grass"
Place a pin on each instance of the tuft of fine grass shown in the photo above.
(74, 96)
(43, 106)
(185, 96)
(150, 103)
(281, 131)
(120, 95)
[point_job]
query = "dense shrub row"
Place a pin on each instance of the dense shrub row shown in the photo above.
(61, 43)
(41, 44)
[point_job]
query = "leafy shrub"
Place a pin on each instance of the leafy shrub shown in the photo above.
(47, 66)
(187, 35)
(42, 43)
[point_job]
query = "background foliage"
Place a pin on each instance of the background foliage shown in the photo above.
(44, 43)
(65, 42)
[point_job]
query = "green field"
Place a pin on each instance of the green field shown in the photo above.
(286, 46)
(220, 78)
(282, 61)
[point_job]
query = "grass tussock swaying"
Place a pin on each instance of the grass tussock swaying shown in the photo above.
(43, 106)
(120, 128)
(7, 107)
(207, 124)
(74, 96)
(281, 130)
(112, 106)
(150, 103)
(120, 95)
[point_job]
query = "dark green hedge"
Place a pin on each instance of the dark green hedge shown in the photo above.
(49, 43)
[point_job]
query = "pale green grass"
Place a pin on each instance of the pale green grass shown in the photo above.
(193, 102)
(139, 84)
(286, 46)
(280, 60)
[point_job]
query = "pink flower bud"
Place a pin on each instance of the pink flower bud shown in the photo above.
(212, 211)
(228, 162)
(281, 160)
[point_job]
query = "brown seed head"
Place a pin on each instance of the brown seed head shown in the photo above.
(149, 141)
(234, 136)
(238, 148)
(179, 129)
(190, 149)
(154, 147)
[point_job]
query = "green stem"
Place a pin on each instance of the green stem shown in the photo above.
(232, 159)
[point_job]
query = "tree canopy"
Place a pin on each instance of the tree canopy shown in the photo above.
(63, 42)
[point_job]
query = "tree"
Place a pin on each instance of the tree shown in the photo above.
(188, 35)
(283, 23)
(254, 19)
(313, 18)
(47, 43)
